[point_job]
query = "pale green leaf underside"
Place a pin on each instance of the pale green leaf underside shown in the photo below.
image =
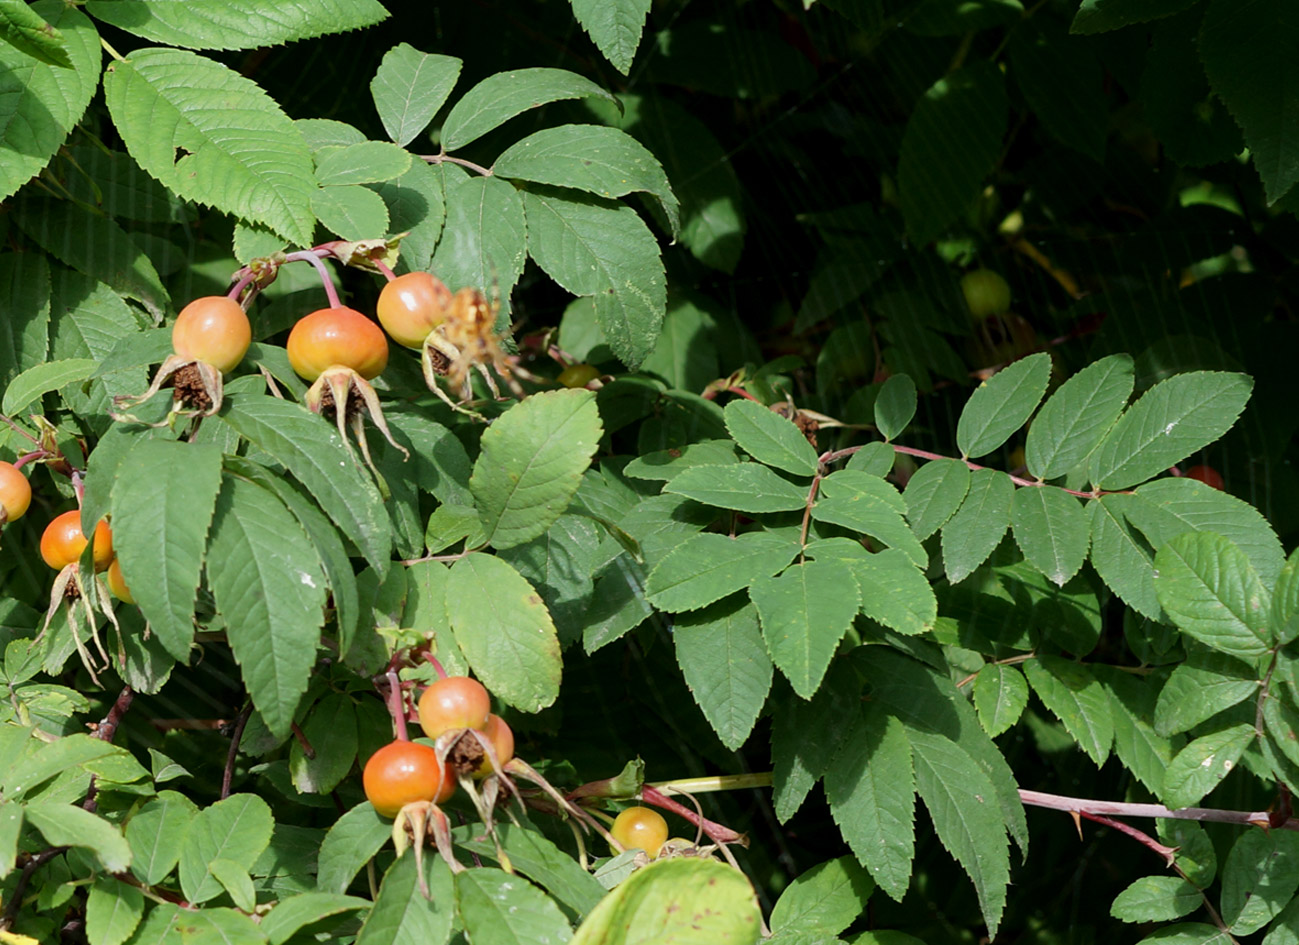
(214, 137)
(1050, 527)
(725, 664)
(971, 534)
(1198, 767)
(235, 24)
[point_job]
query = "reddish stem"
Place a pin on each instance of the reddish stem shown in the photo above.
(716, 832)
(1147, 841)
(301, 736)
(1080, 805)
(227, 776)
(397, 705)
(248, 277)
(313, 257)
(26, 458)
(383, 268)
(437, 666)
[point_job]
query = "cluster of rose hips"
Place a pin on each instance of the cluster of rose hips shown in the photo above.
(405, 772)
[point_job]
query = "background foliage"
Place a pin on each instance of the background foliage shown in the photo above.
(724, 207)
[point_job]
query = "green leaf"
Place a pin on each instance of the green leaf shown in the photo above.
(1121, 557)
(409, 88)
(234, 879)
(1099, 16)
(1156, 899)
(726, 666)
(351, 212)
(1192, 124)
(1242, 46)
(876, 458)
(1075, 418)
(1208, 587)
(1001, 405)
(769, 438)
(895, 405)
(1142, 750)
(24, 28)
(499, 909)
(1259, 878)
(11, 825)
(805, 613)
(867, 504)
(500, 97)
(532, 462)
(684, 354)
(331, 731)
(665, 465)
(539, 859)
(201, 129)
(416, 205)
(53, 758)
(1206, 684)
(25, 298)
(934, 494)
(922, 697)
(237, 828)
(961, 802)
(294, 912)
(234, 24)
(806, 735)
(826, 898)
(156, 833)
(745, 487)
(614, 26)
(404, 914)
(42, 102)
(1050, 528)
(871, 791)
(686, 899)
(348, 845)
(603, 249)
(1173, 506)
(1064, 83)
(94, 245)
(311, 450)
(951, 142)
(1195, 856)
(367, 162)
(1283, 620)
(971, 534)
(113, 910)
(64, 824)
(220, 926)
(1000, 695)
(37, 381)
(485, 237)
(164, 494)
(601, 160)
(705, 568)
(1197, 768)
(271, 591)
(505, 632)
(893, 591)
(1074, 696)
(1171, 421)
(712, 204)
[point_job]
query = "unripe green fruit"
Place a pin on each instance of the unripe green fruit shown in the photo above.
(986, 293)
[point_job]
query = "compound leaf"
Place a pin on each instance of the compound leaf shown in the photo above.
(705, 568)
